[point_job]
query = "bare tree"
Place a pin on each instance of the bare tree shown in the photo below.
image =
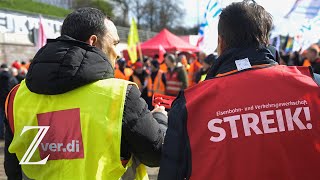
(170, 14)
(157, 15)
(152, 14)
(104, 6)
(138, 10)
(150, 9)
(125, 6)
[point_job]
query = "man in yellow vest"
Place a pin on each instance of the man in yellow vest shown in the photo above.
(71, 119)
(207, 63)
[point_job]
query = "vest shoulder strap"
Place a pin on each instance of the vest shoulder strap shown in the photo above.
(9, 106)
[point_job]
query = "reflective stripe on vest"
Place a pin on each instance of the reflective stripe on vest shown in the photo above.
(157, 86)
(163, 67)
(194, 68)
(256, 124)
(174, 85)
(203, 77)
(84, 135)
(9, 106)
(137, 81)
(306, 63)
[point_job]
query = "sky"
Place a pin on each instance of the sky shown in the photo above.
(277, 8)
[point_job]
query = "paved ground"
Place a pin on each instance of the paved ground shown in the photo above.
(2, 173)
(153, 172)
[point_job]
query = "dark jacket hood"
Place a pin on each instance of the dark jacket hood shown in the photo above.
(64, 64)
(226, 62)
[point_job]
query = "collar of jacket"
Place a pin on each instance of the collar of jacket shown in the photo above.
(226, 62)
(64, 64)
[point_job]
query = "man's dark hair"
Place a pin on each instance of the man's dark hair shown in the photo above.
(210, 59)
(171, 58)
(156, 56)
(4, 66)
(245, 24)
(84, 22)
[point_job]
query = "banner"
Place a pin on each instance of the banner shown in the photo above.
(162, 51)
(133, 40)
(208, 32)
(308, 34)
(42, 39)
(305, 9)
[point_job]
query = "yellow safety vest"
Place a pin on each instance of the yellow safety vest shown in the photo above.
(84, 135)
(203, 77)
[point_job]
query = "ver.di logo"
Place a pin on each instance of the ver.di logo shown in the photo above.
(59, 137)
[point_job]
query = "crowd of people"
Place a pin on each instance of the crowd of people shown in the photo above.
(179, 71)
(237, 114)
(10, 76)
(309, 57)
(169, 76)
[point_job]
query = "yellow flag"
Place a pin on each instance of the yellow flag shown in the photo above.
(133, 39)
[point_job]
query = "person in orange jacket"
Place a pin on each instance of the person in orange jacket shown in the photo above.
(163, 65)
(139, 77)
(195, 66)
(156, 82)
(313, 56)
(207, 63)
(24, 69)
(122, 72)
(183, 60)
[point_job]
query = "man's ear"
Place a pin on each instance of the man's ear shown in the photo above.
(93, 40)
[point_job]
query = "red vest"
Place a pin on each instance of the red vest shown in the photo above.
(261, 124)
(174, 85)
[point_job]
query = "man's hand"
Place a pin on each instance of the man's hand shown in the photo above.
(160, 109)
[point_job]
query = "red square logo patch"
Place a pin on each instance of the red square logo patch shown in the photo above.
(64, 138)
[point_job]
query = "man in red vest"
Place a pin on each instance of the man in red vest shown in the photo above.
(251, 118)
(176, 77)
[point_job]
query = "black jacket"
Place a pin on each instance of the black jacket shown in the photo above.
(7, 82)
(142, 77)
(176, 155)
(65, 64)
(199, 74)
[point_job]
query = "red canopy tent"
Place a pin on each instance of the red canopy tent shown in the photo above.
(170, 42)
